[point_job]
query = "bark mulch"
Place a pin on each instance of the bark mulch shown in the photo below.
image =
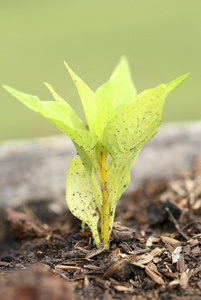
(155, 248)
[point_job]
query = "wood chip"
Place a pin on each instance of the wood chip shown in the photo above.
(95, 252)
(120, 270)
(153, 273)
(121, 288)
(197, 205)
(187, 249)
(92, 267)
(134, 283)
(151, 240)
(75, 254)
(156, 260)
(75, 262)
(177, 189)
(196, 271)
(122, 235)
(4, 264)
(85, 283)
(157, 251)
(193, 242)
(180, 264)
(174, 283)
(184, 280)
(196, 250)
(171, 275)
(82, 249)
(137, 264)
(170, 241)
(146, 258)
(199, 284)
(67, 268)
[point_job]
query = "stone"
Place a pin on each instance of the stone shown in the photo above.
(36, 169)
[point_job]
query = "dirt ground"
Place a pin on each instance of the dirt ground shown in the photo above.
(155, 248)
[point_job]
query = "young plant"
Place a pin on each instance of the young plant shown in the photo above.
(119, 124)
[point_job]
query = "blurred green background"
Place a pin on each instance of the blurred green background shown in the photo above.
(162, 40)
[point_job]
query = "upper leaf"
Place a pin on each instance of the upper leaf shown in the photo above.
(115, 93)
(124, 86)
(127, 132)
(91, 103)
(171, 86)
(56, 97)
(120, 86)
(132, 127)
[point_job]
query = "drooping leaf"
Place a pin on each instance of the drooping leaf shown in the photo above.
(62, 116)
(119, 180)
(89, 167)
(91, 103)
(79, 196)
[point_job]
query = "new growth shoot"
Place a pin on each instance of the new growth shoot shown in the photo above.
(119, 123)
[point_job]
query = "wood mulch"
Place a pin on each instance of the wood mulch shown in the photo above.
(155, 248)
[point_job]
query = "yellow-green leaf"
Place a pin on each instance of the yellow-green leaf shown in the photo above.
(62, 115)
(80, 198)
(91, 103)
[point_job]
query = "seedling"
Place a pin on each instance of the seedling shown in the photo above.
(119, 124)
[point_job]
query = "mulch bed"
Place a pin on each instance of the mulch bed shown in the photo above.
(155, 248)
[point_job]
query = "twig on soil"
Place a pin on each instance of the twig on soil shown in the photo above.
(176, 224)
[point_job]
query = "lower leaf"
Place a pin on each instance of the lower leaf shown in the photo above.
(80, 198)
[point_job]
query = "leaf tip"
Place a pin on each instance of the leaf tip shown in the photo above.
(183, 77)
(65, 64)
(171, 86)
(5, 86)
(8, 88)
(123, 58)
(187, 74)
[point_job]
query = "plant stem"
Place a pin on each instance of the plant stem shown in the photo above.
(105, 213)
(105, 217)
(96, 237)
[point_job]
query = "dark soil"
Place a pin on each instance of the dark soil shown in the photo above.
(155, 248)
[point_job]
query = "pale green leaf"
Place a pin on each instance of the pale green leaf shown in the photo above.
(120, 178)
(89, 167)
(79, 196)
(54, 94)
(123, 83)
(119, 90)
(132, 127)
(126, 134)
(91, 103)
(62, 116)
(106, 94)
(119, 181)
(171, 86)
(115, 93)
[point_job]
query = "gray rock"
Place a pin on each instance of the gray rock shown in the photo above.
(36, 169)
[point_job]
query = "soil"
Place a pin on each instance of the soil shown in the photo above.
(155, 248)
